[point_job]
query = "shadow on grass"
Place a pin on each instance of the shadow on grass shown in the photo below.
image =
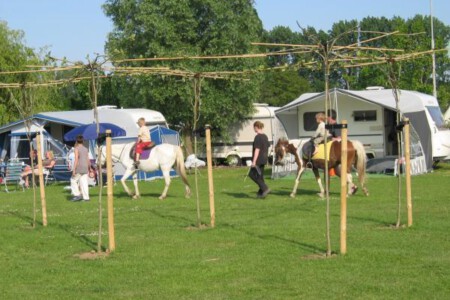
(304, 246)
(24, 218)
(84, 239)
(175, 218)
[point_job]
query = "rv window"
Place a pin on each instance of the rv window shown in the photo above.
(436, 115)
(309, 121)
(364, 115)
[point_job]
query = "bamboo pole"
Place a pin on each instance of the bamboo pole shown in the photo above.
(109, 174)
(344, 187)
(41, 180)
(210, 176)
(408, 172)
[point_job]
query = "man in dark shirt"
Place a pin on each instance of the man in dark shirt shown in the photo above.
(259, 159)
(335, 132)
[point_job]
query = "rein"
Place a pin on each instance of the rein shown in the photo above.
(114, 160)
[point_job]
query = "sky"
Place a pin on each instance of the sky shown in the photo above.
(78, 28)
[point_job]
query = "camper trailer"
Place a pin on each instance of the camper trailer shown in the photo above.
(371, 115)
(242, 135)
(53, 126)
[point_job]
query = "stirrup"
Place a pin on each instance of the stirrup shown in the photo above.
(309, 165)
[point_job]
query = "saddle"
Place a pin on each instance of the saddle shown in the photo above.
(145, 153)
(320, 153)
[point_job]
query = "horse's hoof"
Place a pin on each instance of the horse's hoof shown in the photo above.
(187, 196)
(161, 198)
(135, 197)
(321, 195)
(354, 190)
(292, 195)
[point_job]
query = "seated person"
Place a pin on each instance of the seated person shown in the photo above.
(143, 140)
(48, 163)
(310, 148)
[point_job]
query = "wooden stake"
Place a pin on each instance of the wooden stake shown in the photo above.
(408, 172)
(109, 174)
(210, 176)
(344, 187)
(41, 180)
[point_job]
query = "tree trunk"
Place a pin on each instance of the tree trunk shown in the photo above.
(188, 144)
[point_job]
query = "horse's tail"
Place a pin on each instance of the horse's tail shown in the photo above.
(180, 165)
(361, 160)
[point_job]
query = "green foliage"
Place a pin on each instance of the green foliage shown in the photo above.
(154, 28)
(258, 250)
(281, 87)
(15, 56)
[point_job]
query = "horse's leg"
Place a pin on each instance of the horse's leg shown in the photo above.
(136, 187)
(319, 182)
(125, 176)
(166, 174)
(297, 180)
(351, 187)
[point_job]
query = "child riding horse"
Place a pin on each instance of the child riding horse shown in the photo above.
(356, 156)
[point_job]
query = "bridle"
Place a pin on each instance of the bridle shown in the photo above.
(114, 160)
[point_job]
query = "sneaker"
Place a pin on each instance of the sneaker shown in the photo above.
(86, 200)
(76, 198)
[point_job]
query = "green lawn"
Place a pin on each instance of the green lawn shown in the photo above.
(256, 251)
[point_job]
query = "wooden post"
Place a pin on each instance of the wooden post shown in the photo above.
(408, 171)
(210, 175)
(41, 179)
(109, 182)
(344, 187)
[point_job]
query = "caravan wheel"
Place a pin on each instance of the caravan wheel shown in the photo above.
(233, 160)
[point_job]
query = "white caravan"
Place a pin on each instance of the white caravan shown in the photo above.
(372, 119)
(242, 135)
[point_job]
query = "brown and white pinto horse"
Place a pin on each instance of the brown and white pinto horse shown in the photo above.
(356, 157)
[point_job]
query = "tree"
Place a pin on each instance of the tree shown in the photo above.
(15, 56)
(155, 28)
(415, 74)
(281, 87)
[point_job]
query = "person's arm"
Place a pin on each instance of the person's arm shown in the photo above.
(255, 156)
(319, 130)
(75, 162)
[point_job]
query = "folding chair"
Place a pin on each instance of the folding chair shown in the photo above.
(48, 175)
(13, 174)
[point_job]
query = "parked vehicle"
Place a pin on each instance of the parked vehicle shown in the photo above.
(371, 117)
(241, 135)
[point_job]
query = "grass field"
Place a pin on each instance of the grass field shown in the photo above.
(258, 249)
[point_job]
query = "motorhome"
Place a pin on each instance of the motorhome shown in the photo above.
(242, 134)
(371, 115)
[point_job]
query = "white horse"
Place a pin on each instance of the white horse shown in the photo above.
(162, 157)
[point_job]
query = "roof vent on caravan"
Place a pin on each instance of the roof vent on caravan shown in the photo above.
(374, 88)
(107, 107)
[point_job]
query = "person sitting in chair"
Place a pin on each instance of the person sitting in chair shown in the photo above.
(143, 140)
(48, 163)
(310, 148)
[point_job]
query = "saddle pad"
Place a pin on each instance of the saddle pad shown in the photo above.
(320, 154)
(145, 153)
